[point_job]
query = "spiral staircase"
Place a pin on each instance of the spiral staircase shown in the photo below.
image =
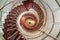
(30, 20)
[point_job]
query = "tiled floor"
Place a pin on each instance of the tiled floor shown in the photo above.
(56, 11)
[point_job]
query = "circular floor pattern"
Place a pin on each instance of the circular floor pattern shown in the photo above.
(27, 21)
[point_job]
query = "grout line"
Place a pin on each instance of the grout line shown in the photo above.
(57, 3)
(49, 35)
(58, 35)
